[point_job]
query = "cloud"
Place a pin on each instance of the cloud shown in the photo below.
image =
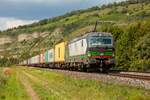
(21, 12)
(59, 1)
(6, 22)
(40, 9)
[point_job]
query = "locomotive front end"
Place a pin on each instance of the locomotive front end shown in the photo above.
(100, 50)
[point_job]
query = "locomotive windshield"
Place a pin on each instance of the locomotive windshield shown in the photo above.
(99, 40)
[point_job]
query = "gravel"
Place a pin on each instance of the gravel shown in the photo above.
(107, 78)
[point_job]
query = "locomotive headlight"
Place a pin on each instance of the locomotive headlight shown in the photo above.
(101, 54)
(113, 54)
(89, 54)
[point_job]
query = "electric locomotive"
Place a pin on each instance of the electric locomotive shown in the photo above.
(93, 51)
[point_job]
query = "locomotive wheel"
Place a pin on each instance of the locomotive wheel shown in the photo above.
(83, 68)
(105, 69)
(88, 69)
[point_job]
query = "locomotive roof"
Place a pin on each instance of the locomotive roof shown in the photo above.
(92, 34)
(98, 34)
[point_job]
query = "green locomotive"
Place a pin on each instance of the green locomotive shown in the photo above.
(94, 50)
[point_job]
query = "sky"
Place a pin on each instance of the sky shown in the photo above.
(21, 12)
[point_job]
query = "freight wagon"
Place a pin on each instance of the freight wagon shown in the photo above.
(49, 58)
(93, 51)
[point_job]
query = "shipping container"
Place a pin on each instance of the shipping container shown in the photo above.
(60, 52)
(37, 59)
(42, 57)
(77, 47)
(32, 60)
(49, 56)
(46, 56)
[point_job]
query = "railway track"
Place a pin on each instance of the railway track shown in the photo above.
(142, 81)
(135, 76)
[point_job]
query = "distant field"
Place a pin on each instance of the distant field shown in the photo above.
(31, 83)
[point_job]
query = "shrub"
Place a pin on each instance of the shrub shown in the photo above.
(3, 81)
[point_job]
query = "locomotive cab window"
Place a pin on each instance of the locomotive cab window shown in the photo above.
(99, 40)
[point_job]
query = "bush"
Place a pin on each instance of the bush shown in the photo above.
(3, 81)
(132, 45)
(7, 62)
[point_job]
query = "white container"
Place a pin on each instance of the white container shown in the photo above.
(77, 47)
(29, 61)
(36, 59)
(50, 56)
(32, 60)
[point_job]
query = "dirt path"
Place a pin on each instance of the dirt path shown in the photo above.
(33, 95)
(45, 84)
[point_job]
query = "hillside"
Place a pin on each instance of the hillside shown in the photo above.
(131, 31)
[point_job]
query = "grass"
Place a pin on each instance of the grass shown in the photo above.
(63, 87)
(51, 85)
(12, 90)
(2, 79)
(114, 17)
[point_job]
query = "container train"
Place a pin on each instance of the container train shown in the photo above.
(92, 51)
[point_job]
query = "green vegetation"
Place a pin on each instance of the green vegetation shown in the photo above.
(6, 62)
(130, 30)
(48, 85)
(132, 45)
(10, 87)
(2, 79)
(52, 85)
